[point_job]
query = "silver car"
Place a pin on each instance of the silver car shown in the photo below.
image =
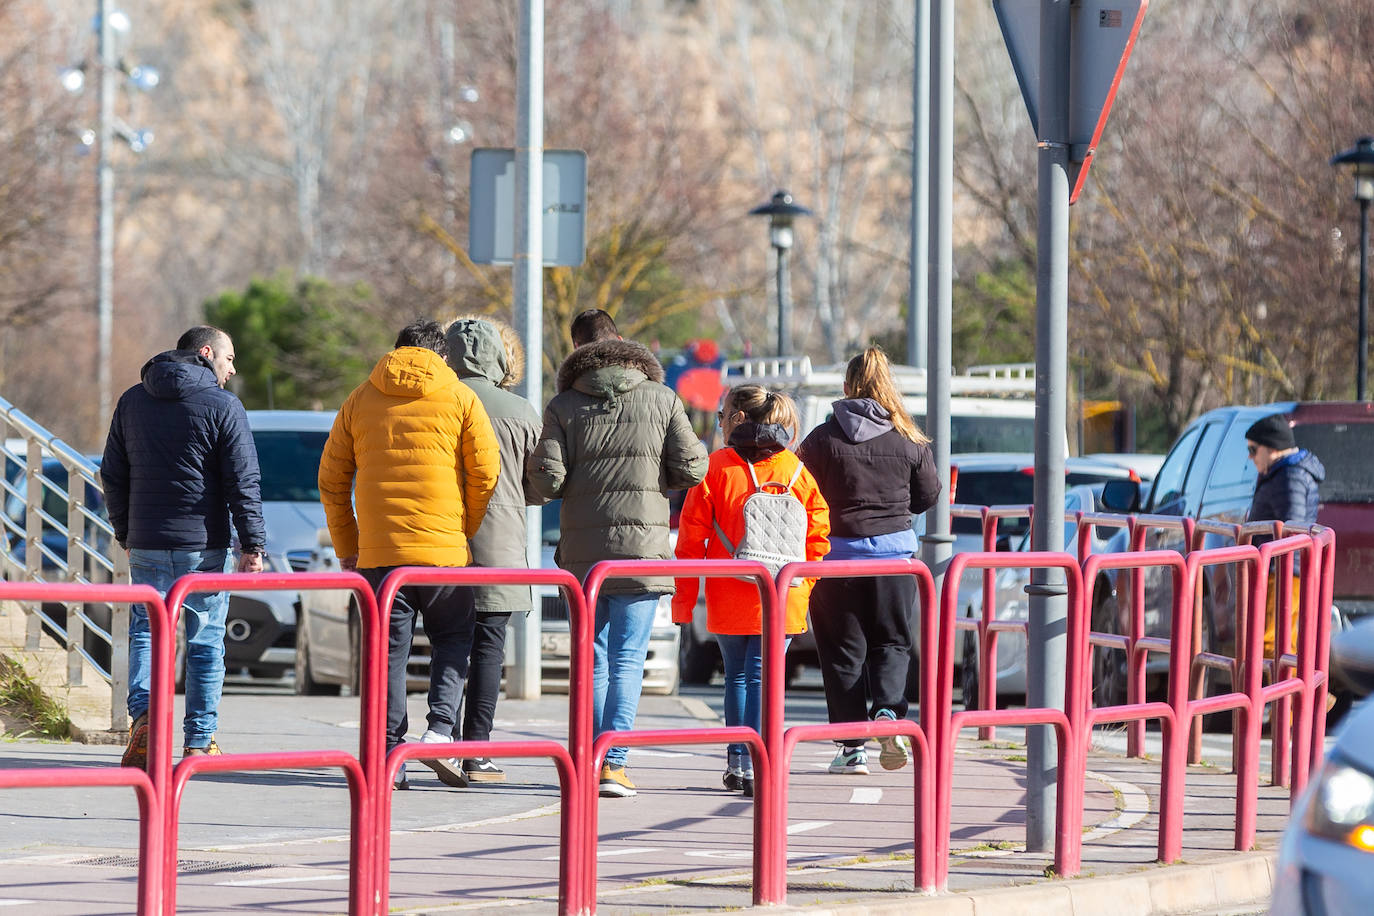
(1327, 851)
(260, 634)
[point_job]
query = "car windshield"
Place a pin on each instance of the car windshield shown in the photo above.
(1344, 448)
(290, 462)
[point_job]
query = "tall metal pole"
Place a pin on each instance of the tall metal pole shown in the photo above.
(918, 273)
(528, 283)
(1047, 637)
(1363, 355)
(784, 305)
(937, 543)
(104, 187)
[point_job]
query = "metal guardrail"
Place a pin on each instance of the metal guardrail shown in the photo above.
(54, 531)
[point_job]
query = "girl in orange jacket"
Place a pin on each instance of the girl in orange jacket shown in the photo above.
(758, 425)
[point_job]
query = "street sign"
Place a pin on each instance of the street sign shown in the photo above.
(491, 213)
(1103, 34)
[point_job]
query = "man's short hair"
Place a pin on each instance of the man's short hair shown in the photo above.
(424, 333)
(591, 326)
(201, 336)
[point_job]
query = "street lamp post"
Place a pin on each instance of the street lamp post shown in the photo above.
(781, 211)
(108, 23)
(1360, 158)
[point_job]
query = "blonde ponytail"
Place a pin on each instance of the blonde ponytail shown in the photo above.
(869, 375)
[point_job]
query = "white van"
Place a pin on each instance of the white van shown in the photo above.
(992, 408)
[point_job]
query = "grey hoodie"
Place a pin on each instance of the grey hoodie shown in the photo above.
(478, 356)
(862, 419)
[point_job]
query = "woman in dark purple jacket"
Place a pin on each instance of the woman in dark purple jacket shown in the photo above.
(875, 469)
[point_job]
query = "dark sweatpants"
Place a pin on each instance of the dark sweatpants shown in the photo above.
(863, 638)
(484, 677)
(448, 615)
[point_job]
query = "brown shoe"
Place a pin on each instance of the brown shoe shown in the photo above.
(211, 749)
(136, 754)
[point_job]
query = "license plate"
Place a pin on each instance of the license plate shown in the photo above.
(556, 644)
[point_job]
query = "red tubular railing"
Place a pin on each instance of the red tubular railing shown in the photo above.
(770, 882)
(370, 727)
(568, 806)
(783, 743)
(1326, 541)
(1068, 839)
(986, 625)
(574, 894)
(1172, 715)
(149, 786)
(359, 803)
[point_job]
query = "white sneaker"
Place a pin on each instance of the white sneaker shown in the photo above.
(448, 769)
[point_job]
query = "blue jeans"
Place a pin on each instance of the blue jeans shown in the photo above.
(620, 645)
(204, 613)
(743, 658)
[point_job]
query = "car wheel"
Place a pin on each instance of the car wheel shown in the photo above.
(968, 673)
(696, 660)
(306, 685)
(1109, 665)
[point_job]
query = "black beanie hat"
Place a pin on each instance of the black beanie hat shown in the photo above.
(1272, 431)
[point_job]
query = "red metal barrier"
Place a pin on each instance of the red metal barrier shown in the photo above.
(568, 806)
(782, 743)
(575, 896)
(770, 881)
(360, 811)
(1068, 838)
(1326, 540)
(1172, 715)
(370, 727)
(150, 785)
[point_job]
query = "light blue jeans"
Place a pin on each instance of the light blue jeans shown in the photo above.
(205, 614)
(743, 658)
(620, 644)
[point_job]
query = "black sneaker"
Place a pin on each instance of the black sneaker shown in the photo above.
(733, 779)
(481, 769)
(748, 786)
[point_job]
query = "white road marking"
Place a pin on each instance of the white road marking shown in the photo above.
(16, 902)
(602, 853)
(867, 795)
(1135, 807)
(300, 879)
(542, 811)
(803, 826)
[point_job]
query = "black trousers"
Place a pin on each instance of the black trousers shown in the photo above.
(484, 676)
(863, 638)
(448, 616)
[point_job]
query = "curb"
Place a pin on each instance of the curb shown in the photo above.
(1238, 880)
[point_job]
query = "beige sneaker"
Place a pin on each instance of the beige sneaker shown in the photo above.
(615, 782)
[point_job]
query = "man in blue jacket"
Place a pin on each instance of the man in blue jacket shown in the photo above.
(179, 461)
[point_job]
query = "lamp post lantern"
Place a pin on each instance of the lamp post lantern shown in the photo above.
(781, 211)
(1360, 158)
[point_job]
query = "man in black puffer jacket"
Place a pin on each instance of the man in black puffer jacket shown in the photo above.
(179, 461)
(1286, 491)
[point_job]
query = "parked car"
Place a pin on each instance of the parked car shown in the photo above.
(328, 636)
(1324, 857)
(53, 555)
(260, 634)
(1013, 604)
(661, 664)
(1208, 476)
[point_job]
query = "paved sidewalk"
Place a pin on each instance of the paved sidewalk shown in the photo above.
(279, 840)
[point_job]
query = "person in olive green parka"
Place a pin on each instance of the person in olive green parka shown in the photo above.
(487, 356)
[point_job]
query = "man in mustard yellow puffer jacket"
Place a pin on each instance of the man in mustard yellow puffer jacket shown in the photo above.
(417, 446)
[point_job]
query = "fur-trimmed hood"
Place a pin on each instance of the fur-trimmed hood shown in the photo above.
(608, 368)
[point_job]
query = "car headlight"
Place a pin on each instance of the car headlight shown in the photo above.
(1342, 807)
